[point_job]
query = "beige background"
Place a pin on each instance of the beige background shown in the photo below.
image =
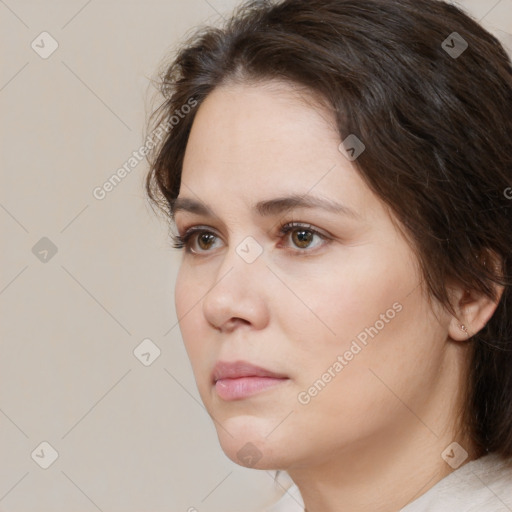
(129, 437)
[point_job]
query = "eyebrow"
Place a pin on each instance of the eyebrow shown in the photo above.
(269, 207)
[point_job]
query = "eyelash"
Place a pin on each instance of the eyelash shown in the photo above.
(183, 241)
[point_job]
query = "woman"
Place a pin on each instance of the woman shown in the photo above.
(338, 182)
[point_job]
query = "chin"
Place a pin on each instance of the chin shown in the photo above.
(253, 454)
(246, 441)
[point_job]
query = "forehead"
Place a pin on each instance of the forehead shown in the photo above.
(253, 142)
(266, 130)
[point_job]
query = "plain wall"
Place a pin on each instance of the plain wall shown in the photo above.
(129, 437)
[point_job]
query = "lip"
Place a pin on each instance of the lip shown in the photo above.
(238, 369)
(240, 379)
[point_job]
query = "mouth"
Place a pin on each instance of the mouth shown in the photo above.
(240, 379)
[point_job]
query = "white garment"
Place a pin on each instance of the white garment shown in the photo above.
(482, 485)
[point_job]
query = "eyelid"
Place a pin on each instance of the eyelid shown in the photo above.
(197, 227)
(289, 226)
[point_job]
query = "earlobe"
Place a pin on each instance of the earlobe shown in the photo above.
(465, 329)
(474, 310)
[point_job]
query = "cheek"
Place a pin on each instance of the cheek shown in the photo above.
(367, 316)
(182, 293)
(187, 294)
(190, 288)
(385, 346)
(346, 299)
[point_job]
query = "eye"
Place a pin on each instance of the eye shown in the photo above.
(195, 240)
(303, 235)
(199, 239)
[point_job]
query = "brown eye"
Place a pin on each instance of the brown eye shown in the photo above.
(302, 238)
(205, 241)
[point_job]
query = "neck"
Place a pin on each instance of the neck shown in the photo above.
(394, 465)
(382, 477)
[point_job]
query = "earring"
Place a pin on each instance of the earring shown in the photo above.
(465, 329)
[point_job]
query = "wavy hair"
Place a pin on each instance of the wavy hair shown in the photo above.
(434, 110)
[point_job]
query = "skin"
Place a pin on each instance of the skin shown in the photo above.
(372, 438)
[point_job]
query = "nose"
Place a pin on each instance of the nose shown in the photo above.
(238, 294)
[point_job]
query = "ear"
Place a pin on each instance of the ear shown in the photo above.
(473, 310)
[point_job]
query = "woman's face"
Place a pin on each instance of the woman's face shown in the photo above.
(333, 305)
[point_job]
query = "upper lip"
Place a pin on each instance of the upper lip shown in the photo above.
(237, 369)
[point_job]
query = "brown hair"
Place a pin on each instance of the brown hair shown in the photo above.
(437, 126)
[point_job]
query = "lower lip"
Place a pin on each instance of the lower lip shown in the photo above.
(243, 387)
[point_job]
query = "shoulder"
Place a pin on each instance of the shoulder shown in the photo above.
(482, 485)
